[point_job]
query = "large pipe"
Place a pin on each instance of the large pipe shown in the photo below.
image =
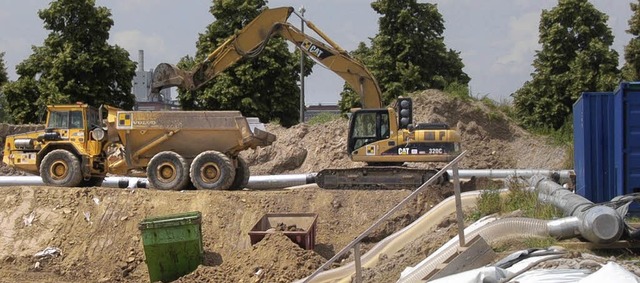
(280, 181)
(113, 182)
(599, 224)
(255, 182)
(289, 180)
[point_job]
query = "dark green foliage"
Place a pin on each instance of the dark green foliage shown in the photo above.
(265, 86)
(576, 56)
(631, 69)
(408, 53)
(4, 77)
(75, 63)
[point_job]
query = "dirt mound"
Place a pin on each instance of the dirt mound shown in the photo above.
(274, 259)
(492, 139)
(96, 230)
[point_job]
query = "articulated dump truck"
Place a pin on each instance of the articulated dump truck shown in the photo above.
(174, 149)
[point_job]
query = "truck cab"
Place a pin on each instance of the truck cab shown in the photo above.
(68, 151)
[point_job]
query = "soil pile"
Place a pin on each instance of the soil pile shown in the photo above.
(492, 139)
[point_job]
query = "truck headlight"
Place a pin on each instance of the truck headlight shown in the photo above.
(98, 134)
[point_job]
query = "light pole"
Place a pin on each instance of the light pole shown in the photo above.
(301, 10)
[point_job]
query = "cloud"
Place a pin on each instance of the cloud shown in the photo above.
(4, 15)
(521, 42)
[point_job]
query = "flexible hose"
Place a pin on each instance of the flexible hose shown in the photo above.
(494, 231)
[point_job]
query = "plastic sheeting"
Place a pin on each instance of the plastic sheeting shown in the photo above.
(610, 272)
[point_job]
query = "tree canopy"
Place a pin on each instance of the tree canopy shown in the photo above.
(265, 86)
(75, 63)
(631, 68)
(4, 77)
(576, 56)
(408, 53)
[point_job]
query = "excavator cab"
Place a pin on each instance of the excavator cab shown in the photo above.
(368, 126)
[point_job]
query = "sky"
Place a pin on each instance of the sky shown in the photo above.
(497, 39)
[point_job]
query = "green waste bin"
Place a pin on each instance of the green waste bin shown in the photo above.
(172, 245)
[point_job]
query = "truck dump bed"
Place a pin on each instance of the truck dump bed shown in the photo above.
(145, 133)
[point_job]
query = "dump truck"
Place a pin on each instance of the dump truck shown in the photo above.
(173, 149)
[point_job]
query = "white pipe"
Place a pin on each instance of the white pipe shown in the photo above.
(255, 182)
(280, 181)
(112, 182)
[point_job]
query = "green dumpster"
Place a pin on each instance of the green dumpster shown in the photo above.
(172, 245)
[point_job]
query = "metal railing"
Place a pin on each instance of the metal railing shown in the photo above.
(355, 244)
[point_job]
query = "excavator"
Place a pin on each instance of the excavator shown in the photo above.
(382, 137)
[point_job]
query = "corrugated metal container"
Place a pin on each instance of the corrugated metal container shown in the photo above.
(593, 119)
(627, 137)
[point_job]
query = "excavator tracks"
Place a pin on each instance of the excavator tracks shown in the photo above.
(375, 178)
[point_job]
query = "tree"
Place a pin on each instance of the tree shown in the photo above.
(576, 56)
(631, 68)
(75, 63)
(409, 53)
(265, 86)
(4, 77)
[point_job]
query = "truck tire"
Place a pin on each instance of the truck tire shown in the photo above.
(61, 168)
(168, 170)
(212, 170)
(242, 175)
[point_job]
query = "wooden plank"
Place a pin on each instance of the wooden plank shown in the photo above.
(476, 253)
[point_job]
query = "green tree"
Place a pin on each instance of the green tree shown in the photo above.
(75, 63)
(576, 56)
(265, 86)
(4, 77)
(631, 68)
(409, 52)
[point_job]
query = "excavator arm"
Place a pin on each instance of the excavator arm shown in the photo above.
(251, 40)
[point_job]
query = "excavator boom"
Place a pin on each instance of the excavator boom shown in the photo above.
(251, 40)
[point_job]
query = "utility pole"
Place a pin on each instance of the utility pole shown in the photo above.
(301, 10)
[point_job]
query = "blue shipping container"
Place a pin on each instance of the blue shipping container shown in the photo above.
(627, 137)
(593, 117)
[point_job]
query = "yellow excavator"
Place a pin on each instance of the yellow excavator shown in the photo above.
(384, 138)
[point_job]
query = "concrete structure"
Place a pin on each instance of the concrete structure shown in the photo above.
(141, 88)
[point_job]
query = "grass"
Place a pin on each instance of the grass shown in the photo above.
(491, 202)
(458, 90)
(323, 118)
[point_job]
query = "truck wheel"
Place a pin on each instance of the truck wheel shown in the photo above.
(212, 170)
(92, 182)
(61, 168)
(167, 170)
(242, 175)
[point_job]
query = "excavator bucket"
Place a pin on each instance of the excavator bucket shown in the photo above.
(167, 75)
